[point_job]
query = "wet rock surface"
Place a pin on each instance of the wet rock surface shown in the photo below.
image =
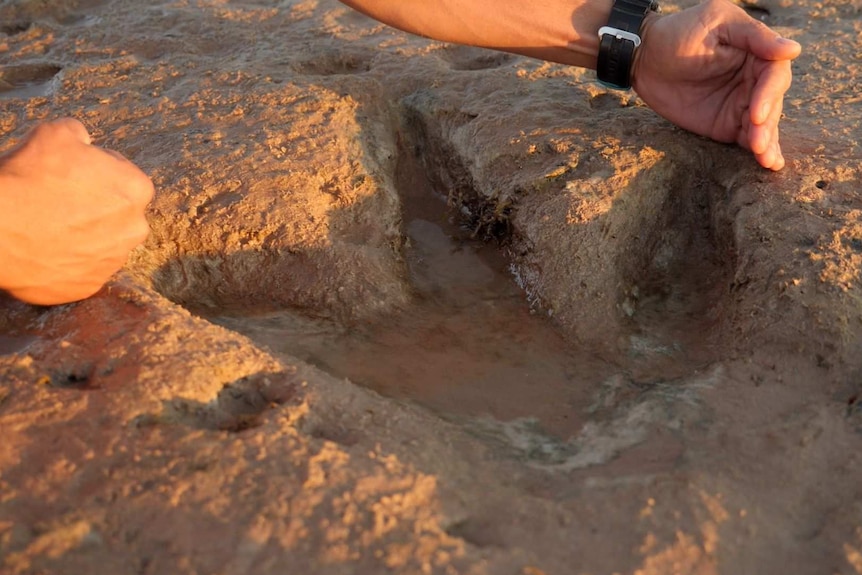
(716, 428)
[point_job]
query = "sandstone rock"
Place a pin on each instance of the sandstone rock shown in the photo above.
(720, 431)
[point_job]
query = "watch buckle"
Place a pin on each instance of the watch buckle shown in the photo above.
(620, 34)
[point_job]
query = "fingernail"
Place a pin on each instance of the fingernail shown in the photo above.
(778, 162)
(787, 41)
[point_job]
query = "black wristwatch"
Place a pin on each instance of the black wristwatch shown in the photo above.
(619, 40)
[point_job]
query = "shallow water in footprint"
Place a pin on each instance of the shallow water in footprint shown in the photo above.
(468, 346)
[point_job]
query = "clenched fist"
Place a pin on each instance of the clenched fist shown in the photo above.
(70, 212)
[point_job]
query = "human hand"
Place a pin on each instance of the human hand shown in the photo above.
(717, 72)
(70, 213)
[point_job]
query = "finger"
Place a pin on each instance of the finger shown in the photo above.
(139, 231)
(772, 83)
(76, 128)
(137, 187)
(772, 158)
(767, 158)
(115, 154)
(760, 136)
(778, 162)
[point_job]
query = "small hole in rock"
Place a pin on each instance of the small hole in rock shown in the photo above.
(758, 12)
(74, 380)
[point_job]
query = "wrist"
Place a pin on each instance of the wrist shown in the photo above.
(645, 34)
(620, 40)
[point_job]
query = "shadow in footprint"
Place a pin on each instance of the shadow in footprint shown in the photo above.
(606, 101)
(13, 28)
(27, 81)
(17, 16)
(333, 63)
(469, 58)
(239, 406)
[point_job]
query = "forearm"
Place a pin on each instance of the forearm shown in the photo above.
(564, 31)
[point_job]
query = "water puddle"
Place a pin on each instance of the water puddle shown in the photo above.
(469, 346)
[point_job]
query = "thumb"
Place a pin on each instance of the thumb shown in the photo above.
(757, 38)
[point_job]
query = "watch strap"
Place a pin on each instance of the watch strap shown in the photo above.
(619, 40)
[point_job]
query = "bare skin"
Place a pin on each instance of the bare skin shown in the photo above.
(727, 80)
(70, 212)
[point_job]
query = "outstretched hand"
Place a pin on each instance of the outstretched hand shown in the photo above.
(70, 212)
(717, 72)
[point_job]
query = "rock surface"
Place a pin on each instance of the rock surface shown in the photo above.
(722, 433)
